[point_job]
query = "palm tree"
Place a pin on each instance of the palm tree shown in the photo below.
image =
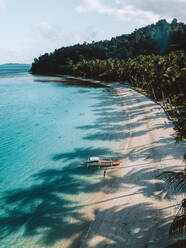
(178, 226)
(178, 179)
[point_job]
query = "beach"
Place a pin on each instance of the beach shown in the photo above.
(93, 124)
(57, 203)
(136, 208)
(48, 128)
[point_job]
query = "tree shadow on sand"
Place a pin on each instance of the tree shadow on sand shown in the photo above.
(49, 208)
(130, 226)
(110, 125)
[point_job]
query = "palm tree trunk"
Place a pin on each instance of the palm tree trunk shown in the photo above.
(163, 97)
(153, 92)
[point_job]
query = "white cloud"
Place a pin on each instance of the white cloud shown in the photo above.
(94, 34)
(89, 5)
(90, 34)
(54, 35)
(140, 11)
(2, 4)
(48, 31)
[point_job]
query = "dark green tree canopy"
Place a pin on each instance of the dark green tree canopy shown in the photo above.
(159, 39)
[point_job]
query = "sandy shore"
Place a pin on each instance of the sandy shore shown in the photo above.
(136, 208)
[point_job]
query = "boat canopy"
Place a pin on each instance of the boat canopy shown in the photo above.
(94, 159)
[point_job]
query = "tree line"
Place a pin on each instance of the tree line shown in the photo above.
(152, 59)
(162, 77)
(159, 39)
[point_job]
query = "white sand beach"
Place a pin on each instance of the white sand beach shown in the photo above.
(136, 208)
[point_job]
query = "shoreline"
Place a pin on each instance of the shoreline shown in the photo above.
(99, 233)
(112, 219)
(111, 178)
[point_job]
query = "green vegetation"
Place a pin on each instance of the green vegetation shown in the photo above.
(152, 59)
(159, 39)
(178, 180)
(163, 78)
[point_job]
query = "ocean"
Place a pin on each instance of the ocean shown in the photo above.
(47, 127)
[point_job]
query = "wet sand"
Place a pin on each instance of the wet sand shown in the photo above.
(136, 208)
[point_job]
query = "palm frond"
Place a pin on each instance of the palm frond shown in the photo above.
(178, 179)
(178, 226)
(178, 244)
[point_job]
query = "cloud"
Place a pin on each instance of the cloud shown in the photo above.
(161, 8)
(93, 34)
(141, 11)
(2, 4)
(89, 34)
(48, 31)
(89, 5)
(54, 35)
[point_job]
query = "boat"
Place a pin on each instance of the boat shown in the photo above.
(97, 163)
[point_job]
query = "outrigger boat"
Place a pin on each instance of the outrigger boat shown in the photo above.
(96, 162)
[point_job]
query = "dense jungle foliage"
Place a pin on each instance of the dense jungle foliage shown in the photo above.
(159, 39)
(151, 58)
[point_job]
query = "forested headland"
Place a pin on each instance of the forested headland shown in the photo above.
(151, 58)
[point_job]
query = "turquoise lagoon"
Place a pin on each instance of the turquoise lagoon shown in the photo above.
(46, 128)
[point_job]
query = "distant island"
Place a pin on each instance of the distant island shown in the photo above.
(13, 68)
(14, 64)
(151, 58)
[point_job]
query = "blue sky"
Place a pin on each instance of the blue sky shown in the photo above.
(29, 28)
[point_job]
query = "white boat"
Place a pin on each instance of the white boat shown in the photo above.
(96, 162)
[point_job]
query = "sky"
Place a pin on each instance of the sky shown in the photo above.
(29, 28)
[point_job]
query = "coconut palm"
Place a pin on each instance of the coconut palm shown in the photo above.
(178, 226)
(178, 179)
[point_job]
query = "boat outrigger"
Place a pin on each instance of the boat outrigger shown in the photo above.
(97, 163)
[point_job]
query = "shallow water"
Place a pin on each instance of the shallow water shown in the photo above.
(46, 129)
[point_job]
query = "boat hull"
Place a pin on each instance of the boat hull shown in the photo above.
(100, 164)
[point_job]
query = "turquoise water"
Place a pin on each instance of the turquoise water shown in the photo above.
(46, 129)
